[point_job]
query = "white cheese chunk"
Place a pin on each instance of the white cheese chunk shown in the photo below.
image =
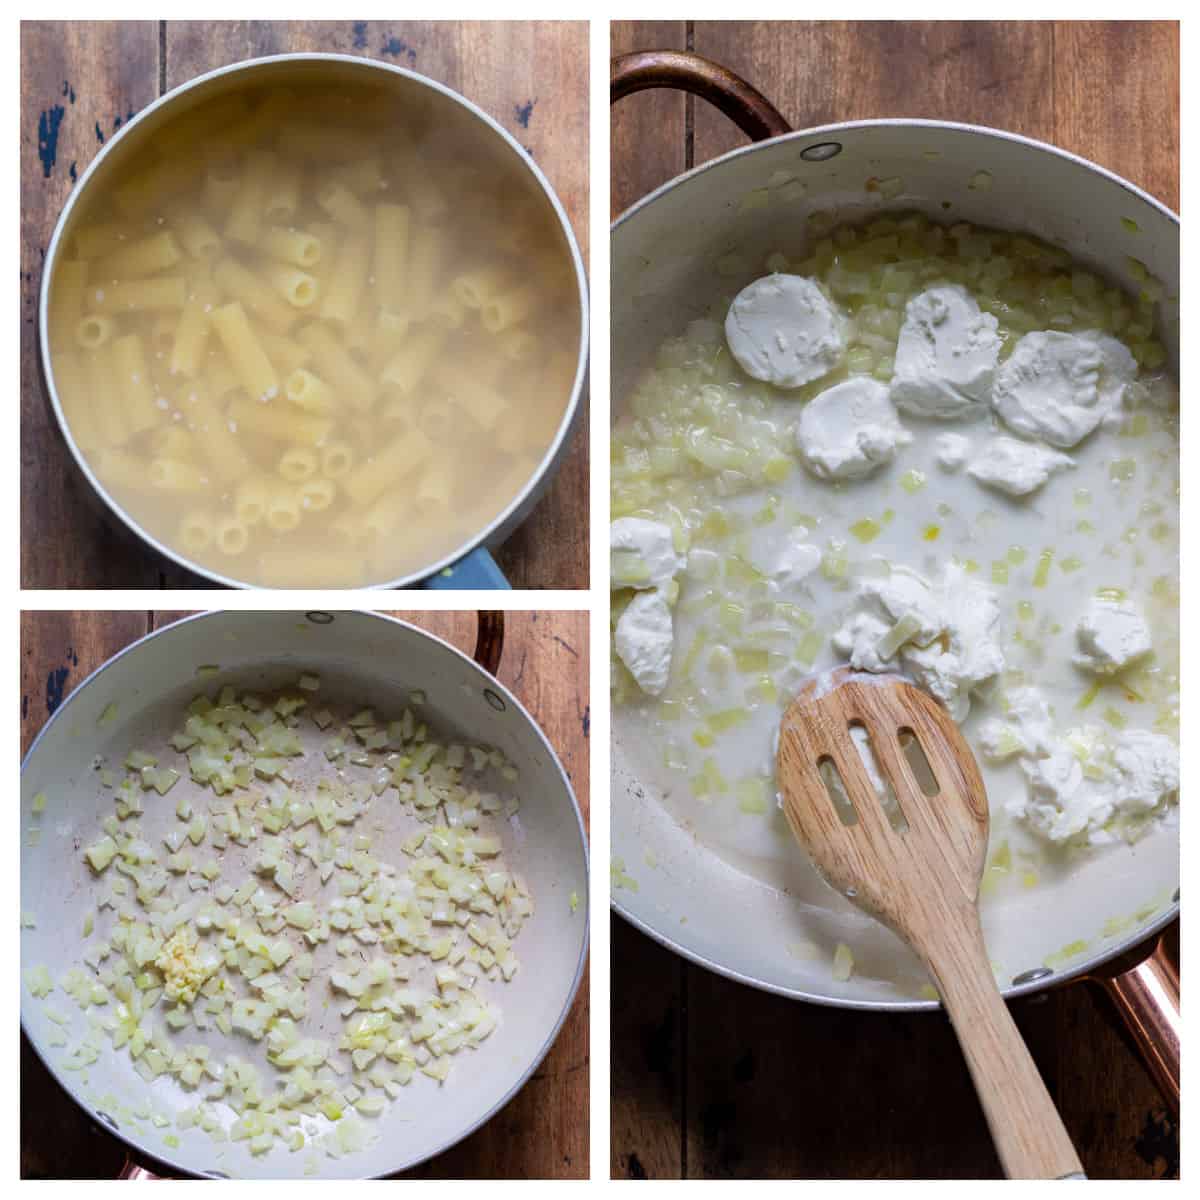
(1059, 386)
(951, 450)
(1145, 771)
(1086, 784)
(643, 553)
(850, 430)
(946, 355)
(947, 633)
(643, 640)
(790, 563)
(1016, 467)
(1110, 635)
(784, 330)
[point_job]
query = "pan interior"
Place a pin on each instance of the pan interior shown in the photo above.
(741, 209)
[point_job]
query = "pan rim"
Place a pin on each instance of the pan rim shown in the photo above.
(132, 1141)
(986, 131)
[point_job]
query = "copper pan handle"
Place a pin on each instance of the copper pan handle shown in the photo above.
(134, 1170)
(489, 641)
(1144, 986)
(744, 105)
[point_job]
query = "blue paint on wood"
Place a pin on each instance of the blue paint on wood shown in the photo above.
(524, 112)
(56, 682)
(360, 35)
(48, 124)
(99, 134)
(398, 48)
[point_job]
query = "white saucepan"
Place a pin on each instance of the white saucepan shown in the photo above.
(363, 659)
(663, 250)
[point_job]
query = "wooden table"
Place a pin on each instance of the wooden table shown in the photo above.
(712, 1079)
(543, 1132)
(80, 81)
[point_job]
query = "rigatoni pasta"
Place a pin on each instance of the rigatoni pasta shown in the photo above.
(307, 338)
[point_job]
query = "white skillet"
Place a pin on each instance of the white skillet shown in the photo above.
(663, 249)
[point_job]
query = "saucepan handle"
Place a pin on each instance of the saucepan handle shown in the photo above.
(477, 572)
(1144, 986)
(743, 104)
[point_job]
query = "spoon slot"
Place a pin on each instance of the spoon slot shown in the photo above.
(836, 789)
(915, 753)
(880, 780)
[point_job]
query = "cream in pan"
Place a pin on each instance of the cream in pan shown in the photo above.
(983, 342)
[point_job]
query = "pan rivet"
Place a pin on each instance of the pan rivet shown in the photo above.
(1032, 976)
(493, 700)
(320, 618)
(821, 152)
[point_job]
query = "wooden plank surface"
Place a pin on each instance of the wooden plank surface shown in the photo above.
(80, 81)
(712, 1079)
(543, 1132)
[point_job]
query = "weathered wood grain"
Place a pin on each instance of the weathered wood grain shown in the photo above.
(1117, 99)
(532, 77)
(649, 1052)
(987, 73)
(543, 1131)
(776, 1089)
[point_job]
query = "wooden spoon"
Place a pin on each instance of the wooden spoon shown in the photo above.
(913, 859)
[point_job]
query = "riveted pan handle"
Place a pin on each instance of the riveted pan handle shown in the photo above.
(743, 104)
(489, 641)
(1144, 986)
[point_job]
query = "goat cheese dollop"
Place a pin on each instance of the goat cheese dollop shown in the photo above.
(1016, 467)
(1085, 784)
(783, 330)
(1111, 635)
(850, 430)
(943, 635)
(643, 553)
(794, 563)
(1059, 386)
(946, 355)
(951, 450)
(644, 638)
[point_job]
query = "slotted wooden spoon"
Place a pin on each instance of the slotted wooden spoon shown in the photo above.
(913, 860)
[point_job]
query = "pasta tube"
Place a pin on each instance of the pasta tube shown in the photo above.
(133, 383)
(396, 460)
(249, 360)
(256, 296)
(391, 255)
(279, 423)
